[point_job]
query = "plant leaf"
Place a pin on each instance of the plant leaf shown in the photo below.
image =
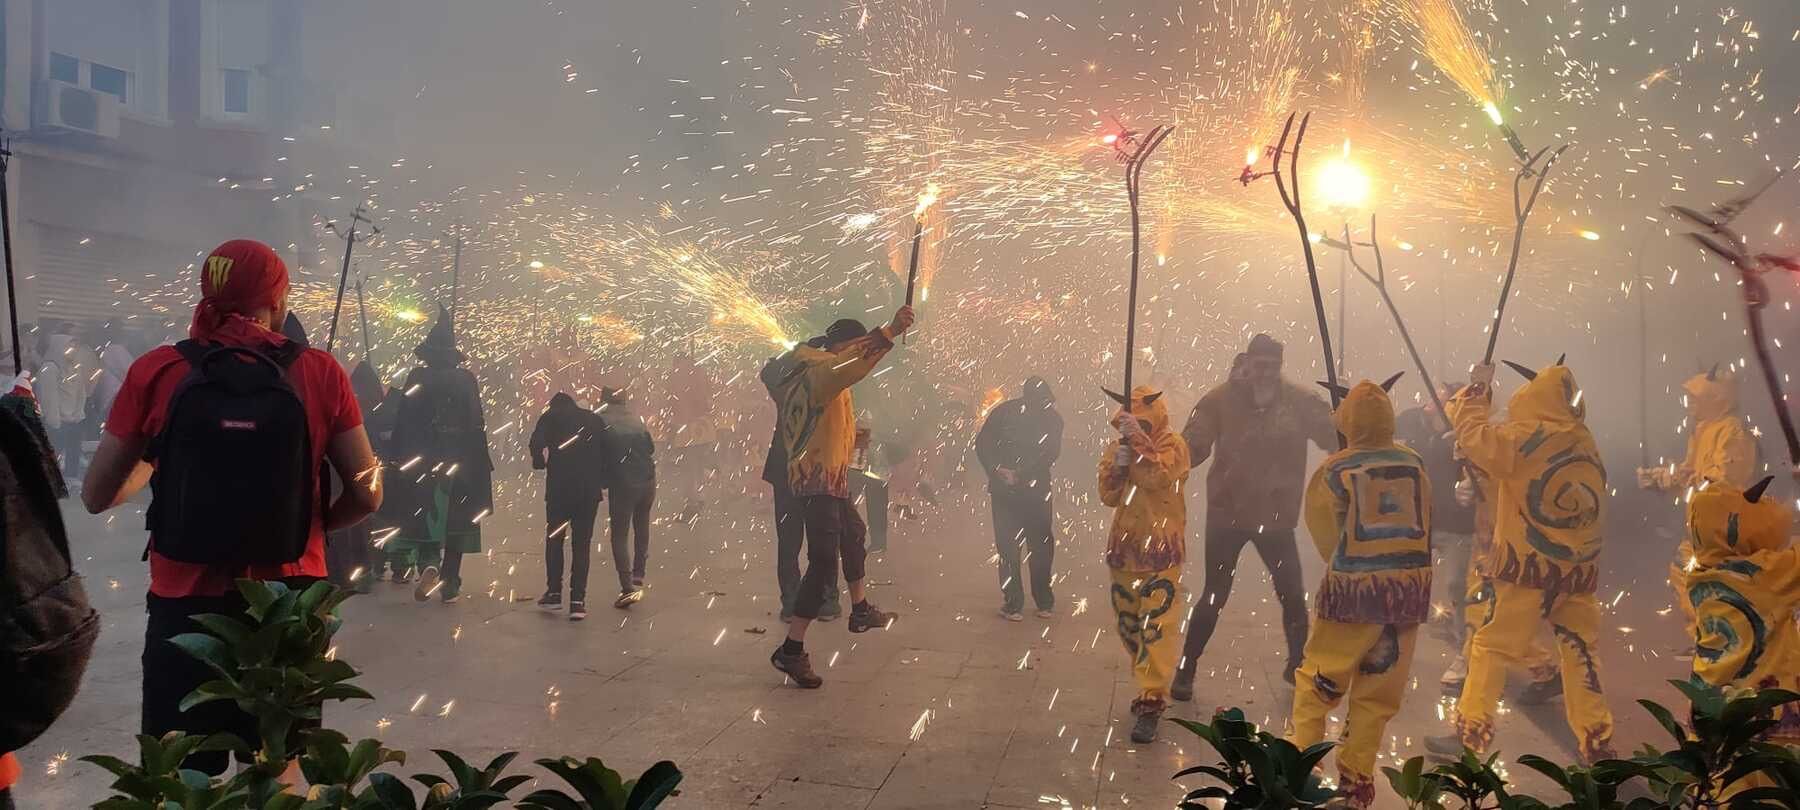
(653, 786)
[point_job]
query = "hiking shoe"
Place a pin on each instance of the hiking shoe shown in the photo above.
(551, 601)
(1046, 613)
(868, 618)
(428, 583)
(797, 666)
(577, 611)
(1149, 716)
(1538, 693)
(1011, 615)
(1447, 748)
(1182, 688)
(627, 599)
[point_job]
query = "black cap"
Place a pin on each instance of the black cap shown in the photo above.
(1263, 344)
(844, 329)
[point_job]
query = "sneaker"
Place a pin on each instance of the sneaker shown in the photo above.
(1011, 615)
(797, 666)
(1046, 613)
(551, 601)
(1149, 716)
(428, 582)
(1447, 748)
(627, 599)
(868, 618)
(1182, 688)
(1539, 693)
(1452, 679)
(577, 611)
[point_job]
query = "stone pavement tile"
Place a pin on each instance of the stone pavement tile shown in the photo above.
(1051, 766)
(796, 794)
(733, 780)
(930, 663)
(944, 770)
(842, 761)
(1140, 777)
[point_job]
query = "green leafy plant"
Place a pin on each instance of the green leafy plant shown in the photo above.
(598, 787)
(1256, 769)
(1595, 788)
(1708, 765)
(1474, 783)
(274, 664)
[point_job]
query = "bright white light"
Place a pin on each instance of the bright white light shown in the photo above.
(1344, 184)
(1493, 112)
(536, 265)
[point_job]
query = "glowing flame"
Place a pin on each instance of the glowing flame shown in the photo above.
(926, 200)
(1344, 184)
(989, 401)
(1590, 236)
(410, 316)
(1250, 156)
(1493, 112)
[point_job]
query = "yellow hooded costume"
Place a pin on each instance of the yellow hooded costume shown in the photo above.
(1147, 543)
(815, 418)
(1745, 591)
(1720, 449)
(1550, 498)
(1368, 508)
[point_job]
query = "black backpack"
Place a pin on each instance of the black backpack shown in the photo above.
(234, 481)
(47, 628)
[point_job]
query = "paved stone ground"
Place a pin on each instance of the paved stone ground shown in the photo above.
(951, 708)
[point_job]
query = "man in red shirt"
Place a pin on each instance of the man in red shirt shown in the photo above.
(243, 306)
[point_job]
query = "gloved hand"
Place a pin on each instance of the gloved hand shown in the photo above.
(1129, 428)
(1465, 492)
(1482, 374)
(1122, 456)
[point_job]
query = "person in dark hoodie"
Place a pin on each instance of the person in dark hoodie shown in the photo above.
(629, 454)
(1017, 445)
(440, 440)
(565, 444)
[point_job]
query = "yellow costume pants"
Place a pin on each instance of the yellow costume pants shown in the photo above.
(1369, 663)
(1478, 609)
(1149, 626)
(1678, 582)
(1518, 613)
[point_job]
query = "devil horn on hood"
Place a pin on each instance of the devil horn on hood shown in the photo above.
(1755, 493)
(1388, 384)
(1339, 390)
(1561, 357)
(1116, 397)
(1528, 374)
(1149, 398)
(1712, 374)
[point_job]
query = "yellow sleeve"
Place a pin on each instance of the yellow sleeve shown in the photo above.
(1324, 512)
(1730, 458)
(833, 375)
(1493, 448)
(1161, 463)
(1112, 482)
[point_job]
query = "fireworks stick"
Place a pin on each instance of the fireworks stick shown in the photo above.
(1521, 213)
(362, 313)
(1756, 296)
(337, 308)
(1134, 167)
(1379, 280)
(912, 268)
(1292, 202)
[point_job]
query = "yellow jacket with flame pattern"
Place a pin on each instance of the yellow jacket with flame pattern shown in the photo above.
(1149, 527)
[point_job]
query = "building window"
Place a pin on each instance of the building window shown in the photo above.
(237, 91)
(109, 80)
(65, 68)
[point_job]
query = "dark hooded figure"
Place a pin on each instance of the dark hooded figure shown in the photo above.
(293, 330)
(565, 444)
(630, 458)
(1017, 445)
(445, 473)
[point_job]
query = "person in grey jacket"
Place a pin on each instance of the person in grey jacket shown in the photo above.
(630, 455)
(1018, 445)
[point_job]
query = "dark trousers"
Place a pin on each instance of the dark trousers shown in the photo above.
(1022, 529)
(835, 534)
(351, 551)
(171, 675)
(628, 518)
(1223, 547)
(790, 540)
(572, 521)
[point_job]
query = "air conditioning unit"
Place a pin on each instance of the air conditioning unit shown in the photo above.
(71, 107)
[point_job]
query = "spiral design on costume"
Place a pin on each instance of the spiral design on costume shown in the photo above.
(1566, 495)
(1737, 625)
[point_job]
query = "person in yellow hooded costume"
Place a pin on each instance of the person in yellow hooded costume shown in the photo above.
(1550, 500)
(1720, 449)
(1368, 509)
(1745, 589)
(1143, 477)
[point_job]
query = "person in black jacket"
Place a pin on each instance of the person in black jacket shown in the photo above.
(566, 444)
(1018, 445)
(630, 456)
